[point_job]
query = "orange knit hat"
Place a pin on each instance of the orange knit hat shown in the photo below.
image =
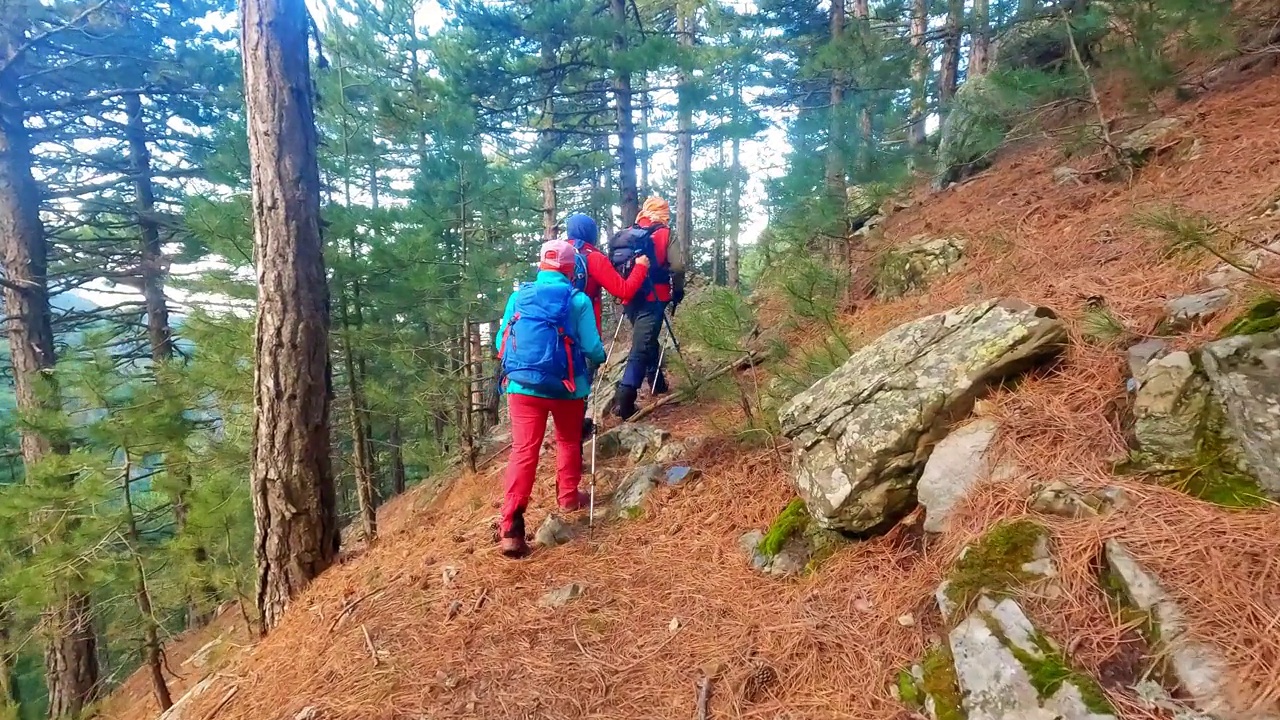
(656, 209)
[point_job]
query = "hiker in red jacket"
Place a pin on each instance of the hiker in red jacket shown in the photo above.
(594, 272)
(649, 238)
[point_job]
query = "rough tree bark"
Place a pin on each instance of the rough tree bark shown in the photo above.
(629, 199)
(685, 28)
(71, 659)
(862, 13)
(951, 52)
(398, 479)
(735, 212)
(365, 496)
(835, 179)
(981, 38)
(296, 533)
(159, 331)
(919, 73)
(547, 137)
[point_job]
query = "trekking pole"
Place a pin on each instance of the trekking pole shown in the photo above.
(595, 419)
(662, 350)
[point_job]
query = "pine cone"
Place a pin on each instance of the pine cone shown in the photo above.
(757, 684)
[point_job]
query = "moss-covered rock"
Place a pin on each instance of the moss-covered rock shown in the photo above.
(938, 685)
(1012, 554)
(1261, 317)
(1182, 435)
(1006, 668)
(792, 521)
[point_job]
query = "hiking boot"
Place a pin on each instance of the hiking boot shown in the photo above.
(513, 547)
(624, 402)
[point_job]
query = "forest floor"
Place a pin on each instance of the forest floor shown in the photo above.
(669, 596)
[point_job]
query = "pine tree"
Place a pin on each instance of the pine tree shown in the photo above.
(293, 492)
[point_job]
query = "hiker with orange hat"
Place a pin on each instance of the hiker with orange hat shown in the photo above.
(549, 346)
(650, 238)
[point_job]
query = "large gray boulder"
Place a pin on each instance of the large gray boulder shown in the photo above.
(1244, 372)
(863, 433)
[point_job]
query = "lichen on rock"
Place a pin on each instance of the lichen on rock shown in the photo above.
(911, 266)
(862, 434)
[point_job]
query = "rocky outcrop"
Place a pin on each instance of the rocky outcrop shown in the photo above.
(1191, 310)
(562, 596)
(1169, 408)
(972, 130)
(862, 434)
(628, 499)
(1244, 372)
(632, 439)
(1194, 667)
(1001, 662)
(911, 266)
(1140, 144)
(1213, 420)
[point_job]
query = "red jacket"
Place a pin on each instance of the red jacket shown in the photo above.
(661, 238)
(601, 275)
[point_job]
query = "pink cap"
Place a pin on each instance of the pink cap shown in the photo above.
(556, 255)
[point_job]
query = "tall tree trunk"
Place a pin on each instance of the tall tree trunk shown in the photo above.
(398, 479)
(71, 659)
(294, 502)
(981, 32)
(644, 137)
(862, 13)
(466, 411)
(159, 331)
(735, 212)
(628, 197)
(919, 73)
(10, 697)
(836, 192)
(547, 139)
(365, 497)
(152, 652)
(718, 259)
(476, 369)
(951, 52)
(685, 28)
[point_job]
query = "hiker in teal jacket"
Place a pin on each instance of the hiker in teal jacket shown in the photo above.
(529, 407)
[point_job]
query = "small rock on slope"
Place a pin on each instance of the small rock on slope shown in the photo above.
(562, 596)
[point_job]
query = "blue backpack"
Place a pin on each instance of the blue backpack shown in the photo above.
(539, 349)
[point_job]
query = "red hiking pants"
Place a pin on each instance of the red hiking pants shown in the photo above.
(528, 425)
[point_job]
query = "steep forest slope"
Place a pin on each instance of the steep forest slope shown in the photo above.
(432, 623)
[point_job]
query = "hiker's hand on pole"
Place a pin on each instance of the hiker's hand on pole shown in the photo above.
(643, 260)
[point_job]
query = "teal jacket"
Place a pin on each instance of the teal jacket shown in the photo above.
(583, 324)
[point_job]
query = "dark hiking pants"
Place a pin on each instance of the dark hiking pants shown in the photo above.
(646, 327)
